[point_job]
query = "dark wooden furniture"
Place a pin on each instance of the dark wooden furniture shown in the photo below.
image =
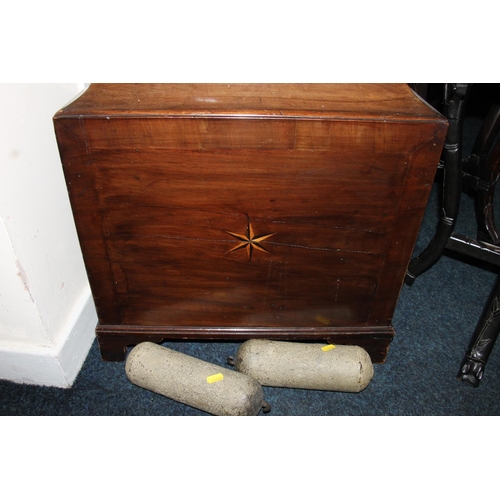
(475, 174)
(228, 212)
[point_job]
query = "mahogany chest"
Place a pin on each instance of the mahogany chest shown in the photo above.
(228, 212)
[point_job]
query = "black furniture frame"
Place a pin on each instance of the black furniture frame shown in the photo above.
(477, 175)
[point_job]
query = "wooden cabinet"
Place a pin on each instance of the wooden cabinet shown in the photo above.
(216, 211)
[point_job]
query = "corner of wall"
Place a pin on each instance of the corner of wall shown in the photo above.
(47, 316)
(58, 365)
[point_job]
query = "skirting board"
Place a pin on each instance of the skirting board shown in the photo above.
(58, 365)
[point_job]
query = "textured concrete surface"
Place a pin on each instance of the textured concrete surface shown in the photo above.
(188, 380)
(305, 366)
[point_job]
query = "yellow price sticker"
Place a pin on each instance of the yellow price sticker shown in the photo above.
(328, 347)
(215, 378)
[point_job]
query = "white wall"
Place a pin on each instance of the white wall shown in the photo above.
(47, 316)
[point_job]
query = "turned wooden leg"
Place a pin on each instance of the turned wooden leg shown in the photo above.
(455, 100)
(485, 335)
(488, 178)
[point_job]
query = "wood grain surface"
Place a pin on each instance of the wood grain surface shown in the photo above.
(276, 210)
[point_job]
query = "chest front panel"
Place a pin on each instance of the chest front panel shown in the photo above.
(244, 223)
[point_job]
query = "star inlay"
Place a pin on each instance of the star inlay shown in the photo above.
(249, 241)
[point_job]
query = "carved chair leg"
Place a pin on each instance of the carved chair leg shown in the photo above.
(487, 134)
(488, 178)
(455, 100)
(485, 335)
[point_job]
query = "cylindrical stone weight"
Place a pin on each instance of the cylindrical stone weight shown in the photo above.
(194, 382)
(305, 366)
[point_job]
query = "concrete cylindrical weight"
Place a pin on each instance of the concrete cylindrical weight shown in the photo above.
(194, 382)
(305, 366)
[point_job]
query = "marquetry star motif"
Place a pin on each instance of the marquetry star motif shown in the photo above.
(249, 241)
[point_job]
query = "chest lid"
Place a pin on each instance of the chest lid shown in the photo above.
(379, 102)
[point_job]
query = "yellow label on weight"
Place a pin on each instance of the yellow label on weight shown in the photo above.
(215, 378)
(328, 347)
